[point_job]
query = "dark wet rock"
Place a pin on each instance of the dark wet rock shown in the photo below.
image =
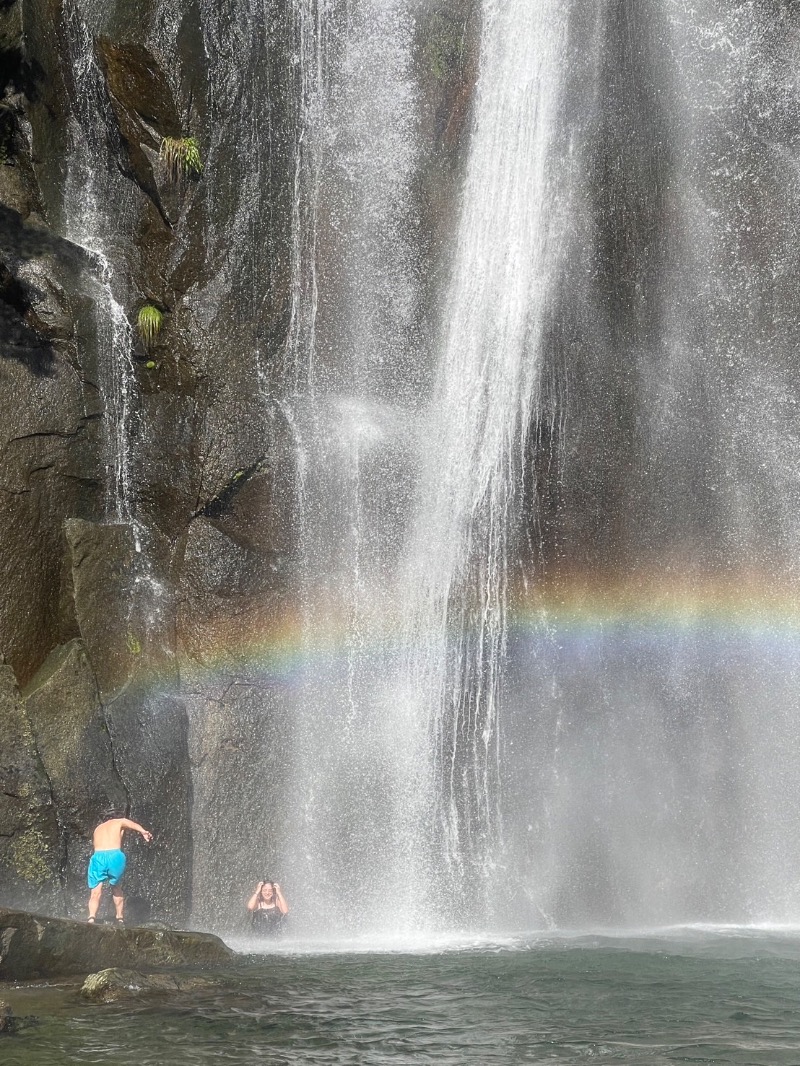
(220, 575)
(73, 742)
(122, 611)
(48, 435)
(44, 473)
(10, 25)
(236, 724)
(138, 911)
(30, 845)
(255, 508)
(112, 985)
(126, 621)
(48, 95)
(48, 309)
(145, 109)
(33, 946)
(149, 733)
(447, 61)
(105, 570)
(8, 1023)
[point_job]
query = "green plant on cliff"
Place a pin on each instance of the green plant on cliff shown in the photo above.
(181, 156)
(148, 322)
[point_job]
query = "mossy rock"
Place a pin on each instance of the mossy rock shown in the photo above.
(33, 946)
(113, 985)
(29, 838)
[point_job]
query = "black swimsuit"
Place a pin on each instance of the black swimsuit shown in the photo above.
(268, 921)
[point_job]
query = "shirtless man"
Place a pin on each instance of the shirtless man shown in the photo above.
(108, 863)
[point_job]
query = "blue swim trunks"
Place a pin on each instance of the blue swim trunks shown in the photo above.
(106, 866)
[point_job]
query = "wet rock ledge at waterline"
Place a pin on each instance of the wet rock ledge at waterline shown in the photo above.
(33, 947)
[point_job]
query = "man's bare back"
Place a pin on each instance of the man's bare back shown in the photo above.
(108, 835)
(108, 862)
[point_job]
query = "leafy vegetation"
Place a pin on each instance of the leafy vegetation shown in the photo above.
(181, 156)
(148, 322)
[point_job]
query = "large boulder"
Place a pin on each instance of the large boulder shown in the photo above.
(30, 844)
(73, 742)
(123, 611)
(33, 946)
(149, 731)
(48, 435)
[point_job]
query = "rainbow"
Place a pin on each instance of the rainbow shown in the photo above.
(283, 646)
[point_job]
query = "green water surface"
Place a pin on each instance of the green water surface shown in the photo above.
(695, 997)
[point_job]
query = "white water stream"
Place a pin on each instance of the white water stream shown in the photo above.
(473, 446)
(90, 187)
(409, 501)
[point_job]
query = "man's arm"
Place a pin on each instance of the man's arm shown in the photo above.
(128, 824)
(283, 906)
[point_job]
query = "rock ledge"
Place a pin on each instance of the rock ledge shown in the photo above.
(34, 946)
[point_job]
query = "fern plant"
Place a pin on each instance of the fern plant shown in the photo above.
(148, 322)
(181, 156)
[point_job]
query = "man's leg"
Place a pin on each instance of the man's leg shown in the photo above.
(94, 900)
(119, 902)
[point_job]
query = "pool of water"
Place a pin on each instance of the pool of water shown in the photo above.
(688, 996)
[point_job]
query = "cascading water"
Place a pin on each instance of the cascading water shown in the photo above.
(468, 510)
(312, 21)
(651, 711)
(92, 184)
(354, 321)
(526, 774)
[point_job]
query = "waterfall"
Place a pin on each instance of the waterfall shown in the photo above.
(651, 714)
(312, 23)
(408, 503)
(351, 342)
(468, 508)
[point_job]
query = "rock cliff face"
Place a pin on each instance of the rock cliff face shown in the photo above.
(146, 497)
